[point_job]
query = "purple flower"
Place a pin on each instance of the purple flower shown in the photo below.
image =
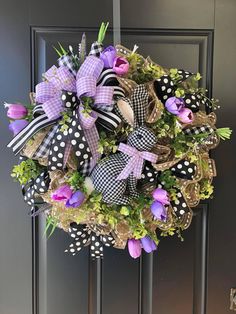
(63, 193)
(174, 105)
(17, 125)
(161, 195)
(148, 244)
(120, 65)
(76, 199)
(159, 210)
(186, 115)
(108, 56)
(134, 247)
(16, 111)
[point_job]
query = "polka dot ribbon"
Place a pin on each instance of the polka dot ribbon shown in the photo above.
(73, 135)
(35, 187)
(83, 236)
(165, 88)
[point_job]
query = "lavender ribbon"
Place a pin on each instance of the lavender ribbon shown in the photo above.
(85, 84)
(136, 161)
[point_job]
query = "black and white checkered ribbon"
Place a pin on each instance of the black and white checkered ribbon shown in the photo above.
(68, 61)
(96, 49)
(82, 235)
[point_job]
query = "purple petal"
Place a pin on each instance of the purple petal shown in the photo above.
(16, 111)
(63, 193)
(76, 199)
(17, 125)
(148, 244)
(159, 210)
(134, 247)
(161, 195)
(174, 105)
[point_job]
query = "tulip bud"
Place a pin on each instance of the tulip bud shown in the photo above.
(134, 247)
(16, 111)
(186, 115)
(17, 125)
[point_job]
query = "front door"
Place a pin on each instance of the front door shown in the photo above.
(194, 276)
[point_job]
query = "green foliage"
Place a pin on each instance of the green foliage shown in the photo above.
(65, 120)
(51, 225)
(102, 32)
(87, 104)
(26, 170)
(206, 189)
(224, 133)
(142, 71)
(106, 145)
(166, 126)
(60, 51)
(76, 181)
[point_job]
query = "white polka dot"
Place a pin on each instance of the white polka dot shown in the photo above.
(53, 168)
(186, 163)
(83, 139)
(72, 235)
(81, 145)
(85, 156)
(70, 130)
(152, 179)
(163, 88)
(175, 208)
(92, 247)
(190, 170)
(165, 80)
(165, 97)
(73, 99)
(37, 180)
(149, 174)
(169, 90)
(188, 101)
(59, 164)
(193, 97)
(54, 158)
(43, 183)
(63, 97)
(62, 144)
(55, 148)
(97, 243)
(41, 190)
(72, 250)
(60, 155)
(179, 166)
(69, 93)
(184, 205)
(93, 238)
(179, 194)
(74, 123)
(77, 134)
(78, 153)
(182, 212)
(183, 172)
(73, 142)
(177, 202)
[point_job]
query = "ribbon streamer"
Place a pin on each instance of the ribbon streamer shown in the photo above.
(83, 236)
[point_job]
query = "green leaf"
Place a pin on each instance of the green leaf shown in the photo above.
(224, 133)
(102, 32)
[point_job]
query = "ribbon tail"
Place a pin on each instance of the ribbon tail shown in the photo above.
(129, 168)
(138, 168)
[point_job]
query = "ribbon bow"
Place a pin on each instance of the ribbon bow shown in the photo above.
(83, 236)
(165, 88)
(135, 164)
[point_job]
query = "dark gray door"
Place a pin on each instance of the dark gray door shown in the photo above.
(195, 276)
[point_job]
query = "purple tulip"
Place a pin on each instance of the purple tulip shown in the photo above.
(148, 244)
(17, 125)
(159, 210)
(161, 196)
(16, 111)
(134, 247)
(186, 115)
(108, 56)
(63, 193)
(76, 199)
(120, 65)
(174, 105)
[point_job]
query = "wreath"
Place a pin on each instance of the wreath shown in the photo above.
(114, 148)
